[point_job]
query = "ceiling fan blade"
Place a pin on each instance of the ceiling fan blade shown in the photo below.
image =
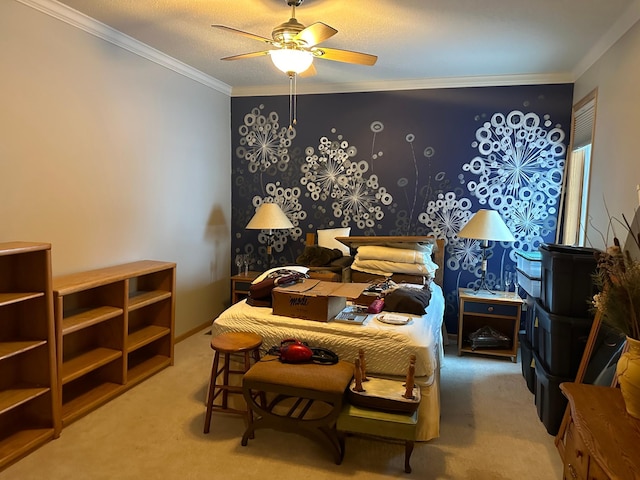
(309, 72)
(247, 55)
(346, 56)
(315, 34)
(245, 34)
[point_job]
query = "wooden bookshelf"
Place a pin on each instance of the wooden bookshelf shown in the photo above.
(29, 412)
(114, 328)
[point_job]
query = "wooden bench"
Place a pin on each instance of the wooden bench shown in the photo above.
(303, 398)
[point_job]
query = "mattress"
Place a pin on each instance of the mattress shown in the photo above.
(387, 348)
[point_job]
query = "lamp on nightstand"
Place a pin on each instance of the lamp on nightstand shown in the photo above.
(269, 217)
(486, 225)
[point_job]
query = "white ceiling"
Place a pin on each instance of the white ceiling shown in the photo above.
(418, 42)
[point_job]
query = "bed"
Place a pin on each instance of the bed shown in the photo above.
(387, 347)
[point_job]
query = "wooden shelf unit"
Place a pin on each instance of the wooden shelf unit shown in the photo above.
(29, 412)
(114, 328)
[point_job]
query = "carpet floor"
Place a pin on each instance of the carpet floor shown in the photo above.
(489, 430)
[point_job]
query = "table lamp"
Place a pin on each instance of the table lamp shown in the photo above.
(269, 217)
(486, 225)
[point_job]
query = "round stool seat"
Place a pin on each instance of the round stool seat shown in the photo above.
(236, 342)
(245, 344)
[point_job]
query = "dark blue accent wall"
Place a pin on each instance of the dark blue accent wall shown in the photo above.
(414, 162)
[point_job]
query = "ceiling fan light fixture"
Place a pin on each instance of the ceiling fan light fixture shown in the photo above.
(290, 60)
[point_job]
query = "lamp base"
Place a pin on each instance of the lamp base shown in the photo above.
(483, 287)
(269, 251)
(483, 282)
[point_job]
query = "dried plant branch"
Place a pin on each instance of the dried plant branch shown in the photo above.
(618, 279)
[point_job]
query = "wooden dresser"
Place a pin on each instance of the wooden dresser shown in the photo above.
(602, 441)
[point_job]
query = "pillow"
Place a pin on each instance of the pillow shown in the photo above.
(327, 239)
(425, 247)
(393, 254)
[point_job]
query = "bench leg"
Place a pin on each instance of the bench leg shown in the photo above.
(248, 434)
(408, 450)
(341, 440)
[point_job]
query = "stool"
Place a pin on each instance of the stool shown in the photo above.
(230, 344)
(293, 389)
(366, 421)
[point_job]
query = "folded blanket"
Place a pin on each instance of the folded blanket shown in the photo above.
(386, 268)
(390, 254)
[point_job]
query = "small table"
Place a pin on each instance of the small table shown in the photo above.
(240, 285)
(499, 310)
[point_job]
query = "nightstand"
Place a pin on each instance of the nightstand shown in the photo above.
(600, 437)
(240, 285)
(499, 310)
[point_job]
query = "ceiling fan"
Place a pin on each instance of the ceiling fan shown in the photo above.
(296, 46)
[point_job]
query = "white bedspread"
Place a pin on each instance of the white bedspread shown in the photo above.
(387, 347)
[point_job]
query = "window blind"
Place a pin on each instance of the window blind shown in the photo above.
(583, 124)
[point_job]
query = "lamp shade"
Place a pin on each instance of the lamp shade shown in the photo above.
(269, 216)
(291, 60)
(487, 225)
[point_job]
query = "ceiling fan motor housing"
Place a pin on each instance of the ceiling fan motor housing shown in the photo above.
(286, 32)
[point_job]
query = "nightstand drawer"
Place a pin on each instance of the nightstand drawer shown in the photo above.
(576, 455)
(490, 308)
(242, 286)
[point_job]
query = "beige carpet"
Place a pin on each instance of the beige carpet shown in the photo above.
(489, 430)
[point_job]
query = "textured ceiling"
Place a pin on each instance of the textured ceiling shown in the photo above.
(415, 40)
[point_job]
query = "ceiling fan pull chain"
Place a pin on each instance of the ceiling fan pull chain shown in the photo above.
(292, 100)
(295, 99)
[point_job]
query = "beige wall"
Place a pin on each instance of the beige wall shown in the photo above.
(616, 149)
(113, 158)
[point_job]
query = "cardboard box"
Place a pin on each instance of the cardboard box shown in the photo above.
(314, 299)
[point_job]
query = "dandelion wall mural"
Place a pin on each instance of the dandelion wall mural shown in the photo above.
(405, 163)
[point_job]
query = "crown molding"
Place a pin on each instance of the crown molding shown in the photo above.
(417, 84)
(79, 20)
(617, 30)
